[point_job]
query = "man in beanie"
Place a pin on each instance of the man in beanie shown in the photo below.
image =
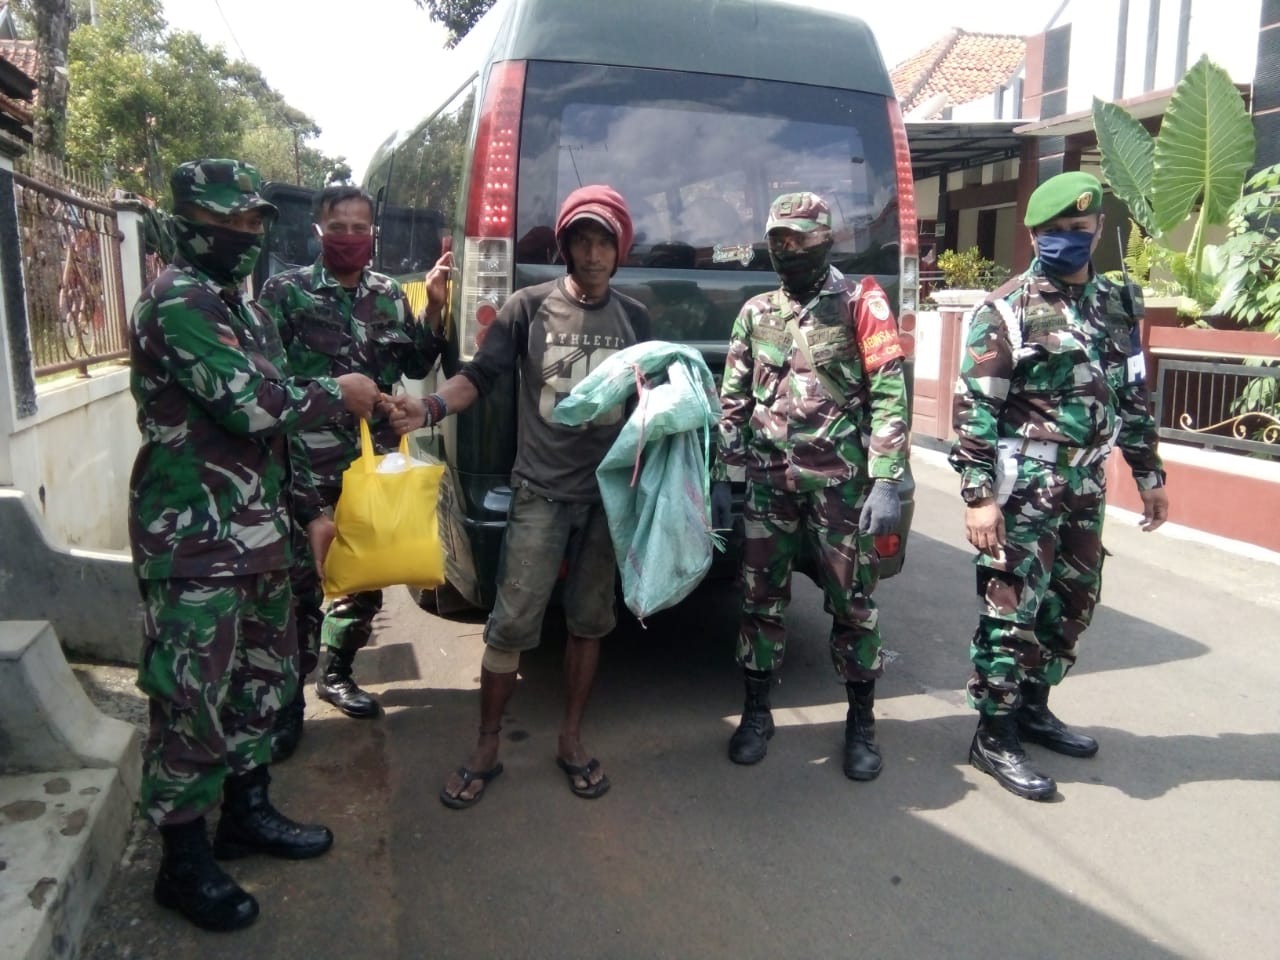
(213, 498)
(1052, 378)
(551, 335)
(337, 316)
(815, 409)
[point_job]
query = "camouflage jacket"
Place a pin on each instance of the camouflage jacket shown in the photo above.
(212, 488)
(1064, 376)
(796, 428)
(328, 332)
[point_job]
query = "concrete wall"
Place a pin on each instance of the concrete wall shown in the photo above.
(72, 459)
(69, 443)
(90, 597)
(66, 448)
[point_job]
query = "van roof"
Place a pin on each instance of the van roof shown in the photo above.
(764, 39)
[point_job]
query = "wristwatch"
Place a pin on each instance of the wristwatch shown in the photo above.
(972, 495)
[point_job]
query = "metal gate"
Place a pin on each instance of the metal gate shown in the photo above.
(72, 271)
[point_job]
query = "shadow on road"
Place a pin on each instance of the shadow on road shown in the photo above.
(688, 855)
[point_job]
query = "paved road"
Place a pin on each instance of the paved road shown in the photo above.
(1164, 845)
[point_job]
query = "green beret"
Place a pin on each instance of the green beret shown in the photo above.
(1066, 195)
(219, 186)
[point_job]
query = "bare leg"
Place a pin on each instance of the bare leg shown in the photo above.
(581, 658)
(495, 691)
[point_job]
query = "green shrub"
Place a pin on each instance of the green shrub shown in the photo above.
(970, 270)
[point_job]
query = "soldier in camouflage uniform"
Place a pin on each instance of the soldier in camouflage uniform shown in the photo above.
(1052, 378)
(337, 316)
(815, 409)
(212, 499)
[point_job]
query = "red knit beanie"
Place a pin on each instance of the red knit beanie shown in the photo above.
(602, 204)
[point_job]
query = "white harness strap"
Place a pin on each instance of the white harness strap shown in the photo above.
(1011, 321)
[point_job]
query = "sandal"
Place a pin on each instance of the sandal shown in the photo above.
(592, 790)
(469, 777)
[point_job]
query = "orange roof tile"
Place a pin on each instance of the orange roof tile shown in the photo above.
(22, 54)
(962, 65)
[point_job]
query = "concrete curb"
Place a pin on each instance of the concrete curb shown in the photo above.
(90, 596)
(67, 794)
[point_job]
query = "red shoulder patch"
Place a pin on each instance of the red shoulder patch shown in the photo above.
(875, 327)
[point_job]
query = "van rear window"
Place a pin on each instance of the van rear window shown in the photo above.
(699, 158)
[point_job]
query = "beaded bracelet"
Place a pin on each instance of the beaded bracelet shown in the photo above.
(436, 408)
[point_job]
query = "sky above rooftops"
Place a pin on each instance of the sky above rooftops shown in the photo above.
(326, 61)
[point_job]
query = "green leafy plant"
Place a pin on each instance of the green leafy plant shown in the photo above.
(1200, 157)
(970, 270)
(1252, 276)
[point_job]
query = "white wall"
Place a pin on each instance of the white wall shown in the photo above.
(1226, 30)
(79, 449)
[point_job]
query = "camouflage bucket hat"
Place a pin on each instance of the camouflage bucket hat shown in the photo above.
(805, 212)
(219, 186)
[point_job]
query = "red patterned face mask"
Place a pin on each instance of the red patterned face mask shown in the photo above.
(346, 252)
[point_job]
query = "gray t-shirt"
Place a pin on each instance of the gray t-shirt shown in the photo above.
(554, 341)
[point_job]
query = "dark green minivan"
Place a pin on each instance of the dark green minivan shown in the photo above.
(699, 113)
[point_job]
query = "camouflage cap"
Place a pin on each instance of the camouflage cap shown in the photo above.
(1066, 195)
(219, 186)
(804, 212)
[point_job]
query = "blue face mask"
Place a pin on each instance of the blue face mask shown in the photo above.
(1064, 252)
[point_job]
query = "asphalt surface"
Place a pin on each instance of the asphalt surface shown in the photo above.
(1164, 845)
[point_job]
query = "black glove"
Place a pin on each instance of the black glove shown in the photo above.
(721, 505)
(883, 509)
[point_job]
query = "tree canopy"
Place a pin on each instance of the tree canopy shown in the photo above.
(144, 98)
(458, 16)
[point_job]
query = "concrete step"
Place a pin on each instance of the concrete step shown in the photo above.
(62, 836)
(68, 784)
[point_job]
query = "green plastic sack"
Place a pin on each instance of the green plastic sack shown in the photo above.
(654, 481)
(614, 382)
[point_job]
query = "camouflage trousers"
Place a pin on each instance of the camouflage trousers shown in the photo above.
(1039, 597)
(778, 525)
(217, 663)
(348, 623)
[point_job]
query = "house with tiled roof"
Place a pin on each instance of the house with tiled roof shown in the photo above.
(989, 116)
(17, 91)
(962, 76)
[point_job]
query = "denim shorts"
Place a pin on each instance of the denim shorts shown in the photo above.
(541, 533)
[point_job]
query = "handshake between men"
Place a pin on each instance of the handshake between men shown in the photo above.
(406, 413)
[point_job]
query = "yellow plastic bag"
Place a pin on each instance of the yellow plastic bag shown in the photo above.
(388, 531)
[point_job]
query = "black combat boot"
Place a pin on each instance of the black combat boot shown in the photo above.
(750, 741)
(287, 729)
(336, 686)
(861, 755)
(1037, 724)
(250, 824)
(996, 750)
(191, 883)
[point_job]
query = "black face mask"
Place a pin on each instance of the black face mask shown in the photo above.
(226, 255)
(802, 271)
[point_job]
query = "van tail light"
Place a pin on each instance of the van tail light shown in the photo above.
(909, 267)
(490, 221)
(888, 545)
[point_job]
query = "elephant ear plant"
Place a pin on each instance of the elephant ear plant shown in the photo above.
(1200, 157)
